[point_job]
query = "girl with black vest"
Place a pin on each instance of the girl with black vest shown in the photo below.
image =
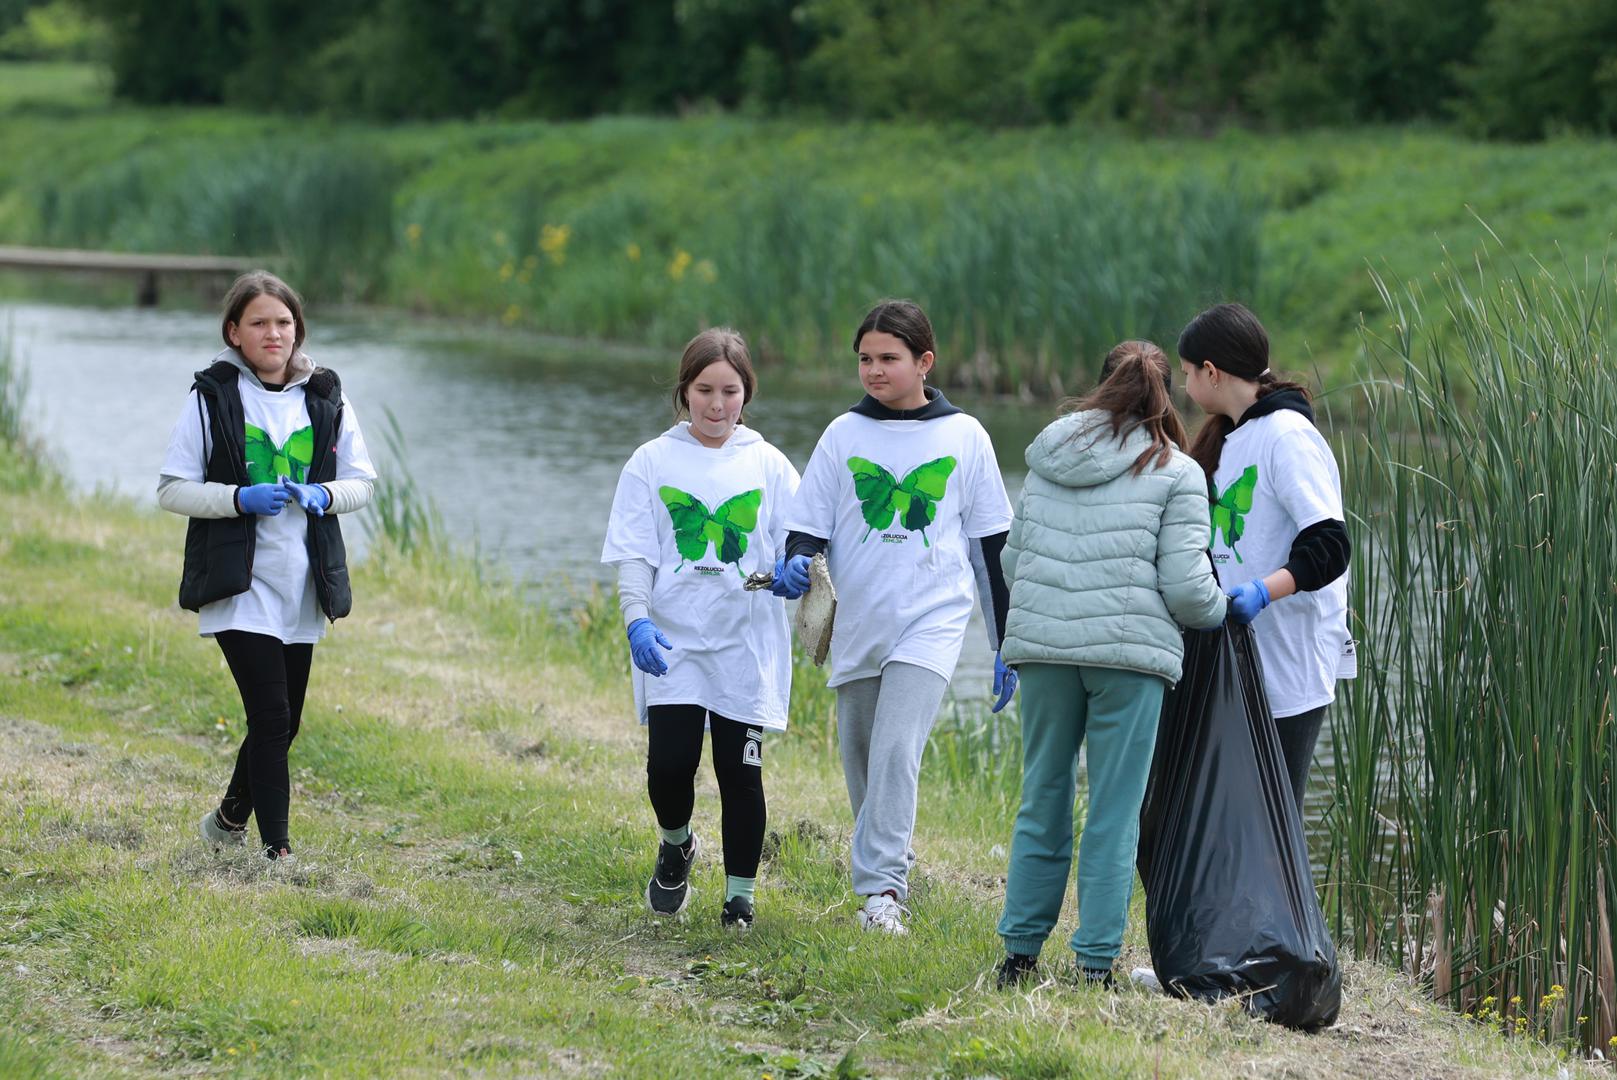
(904, 495)
(264, 458)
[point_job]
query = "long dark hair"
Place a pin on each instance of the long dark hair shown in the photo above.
(1135, 391)
(905, 320)
(1232, 339)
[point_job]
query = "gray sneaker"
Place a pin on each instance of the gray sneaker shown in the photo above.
(669, 889)
(217, 835)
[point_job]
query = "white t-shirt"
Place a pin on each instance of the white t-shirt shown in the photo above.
(1276, 477)
(899, 501)
(704, 519)
(281, 601)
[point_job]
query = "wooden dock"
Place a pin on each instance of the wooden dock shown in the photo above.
(147, 270)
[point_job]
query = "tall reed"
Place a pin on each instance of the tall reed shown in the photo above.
(1474, 803)
(400, 511)
(319, 212)
(13, 391)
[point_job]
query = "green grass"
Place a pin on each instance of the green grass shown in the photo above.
(53, 87)
(1034, 249)
(470, 811)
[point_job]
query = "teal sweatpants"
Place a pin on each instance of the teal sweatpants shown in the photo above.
(1117, 712)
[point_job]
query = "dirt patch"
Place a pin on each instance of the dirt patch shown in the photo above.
(352, 954)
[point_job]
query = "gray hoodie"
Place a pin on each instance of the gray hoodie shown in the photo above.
(636, 576)
(1103, 565)
(199, 499)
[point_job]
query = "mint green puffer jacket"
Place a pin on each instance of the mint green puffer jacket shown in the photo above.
(1104, 566)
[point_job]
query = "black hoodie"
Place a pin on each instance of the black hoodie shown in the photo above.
(995, 595)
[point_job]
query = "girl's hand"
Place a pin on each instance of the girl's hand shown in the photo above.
(265, 499)
(1005, 681)
(1246, 601)
(791, 577)
(644, 637)
(312, 497)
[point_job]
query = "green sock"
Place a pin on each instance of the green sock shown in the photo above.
(739, 886)
(677, 836)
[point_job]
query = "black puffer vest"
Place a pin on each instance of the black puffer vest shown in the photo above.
(219, 551)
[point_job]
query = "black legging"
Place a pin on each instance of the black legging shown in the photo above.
(272, 677)
(675, 751)
(1298, 734)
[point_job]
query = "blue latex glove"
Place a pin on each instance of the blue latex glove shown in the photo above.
(791, 577)
(644, 637)
(1005, 681)
(1247, 600)
(266, 499)
(312, 497)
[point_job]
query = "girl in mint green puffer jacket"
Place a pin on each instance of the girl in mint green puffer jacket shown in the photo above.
(1106, 560)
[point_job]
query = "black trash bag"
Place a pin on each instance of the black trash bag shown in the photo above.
(1230, 907)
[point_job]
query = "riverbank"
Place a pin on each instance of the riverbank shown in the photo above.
(1033, 247)
(469, 809)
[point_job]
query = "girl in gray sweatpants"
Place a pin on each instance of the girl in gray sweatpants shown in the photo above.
(904, 496)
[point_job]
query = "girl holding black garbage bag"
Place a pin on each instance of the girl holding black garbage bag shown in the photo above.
(265, 456)
(1106, 559)
(1279, 537)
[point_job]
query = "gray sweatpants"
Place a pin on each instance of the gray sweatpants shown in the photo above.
(883, 724)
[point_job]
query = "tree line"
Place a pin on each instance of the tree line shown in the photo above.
(1505, 68)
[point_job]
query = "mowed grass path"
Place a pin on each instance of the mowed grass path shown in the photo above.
(470, 814)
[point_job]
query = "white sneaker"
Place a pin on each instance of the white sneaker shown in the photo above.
(218, 837)
(282, 864)
(882, 912)
(1147, 978)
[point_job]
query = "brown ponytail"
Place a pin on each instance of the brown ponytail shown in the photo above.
(1231, 338)
(1134, 392)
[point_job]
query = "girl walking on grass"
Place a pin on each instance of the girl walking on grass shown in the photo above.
(264, 458)
(904, 495)
(1106, 560)
(697, 510)
(1279, 535)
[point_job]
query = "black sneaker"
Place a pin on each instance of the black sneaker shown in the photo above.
(1016, 969)
(1099, 978)
(669, 889)
(737, 914)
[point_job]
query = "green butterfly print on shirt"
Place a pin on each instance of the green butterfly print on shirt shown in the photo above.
(725, 528)
(267, 463)
(1229, 507)
(913, 500)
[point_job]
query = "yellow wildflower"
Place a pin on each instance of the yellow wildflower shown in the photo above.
(633, 252)
(707, 271)
(681, 263)
(512, 314)
(553, 242)
(506, 270)
(412, 233)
